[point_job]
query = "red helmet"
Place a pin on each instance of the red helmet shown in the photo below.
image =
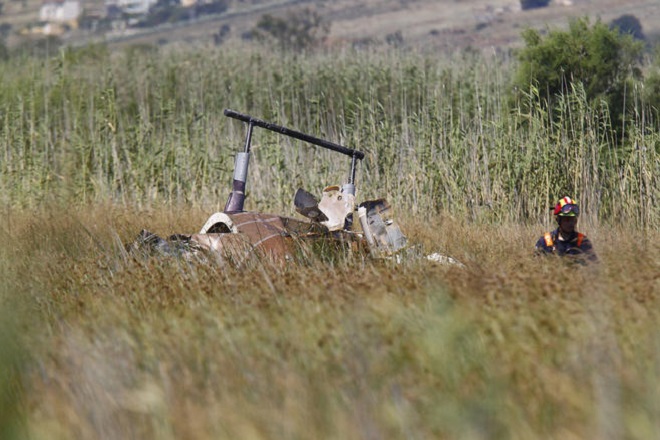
(566, 207)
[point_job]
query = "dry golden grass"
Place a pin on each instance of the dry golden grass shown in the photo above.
(510, 347)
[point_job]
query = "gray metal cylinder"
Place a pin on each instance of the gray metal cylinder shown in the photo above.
(348, 188)
(241, 166)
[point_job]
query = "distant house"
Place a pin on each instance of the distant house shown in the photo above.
(63, 12)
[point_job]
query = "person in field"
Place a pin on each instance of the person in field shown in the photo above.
(566, 240)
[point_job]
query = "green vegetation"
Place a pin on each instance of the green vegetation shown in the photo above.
(600, 61)
(629, 24)
(298, 31)
(652, 82)
(145, 126)
(533, 4)
(12, 423)
(95, 145)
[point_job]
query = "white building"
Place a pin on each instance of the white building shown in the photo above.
(67, 11)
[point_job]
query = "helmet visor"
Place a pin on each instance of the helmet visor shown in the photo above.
(569, 210)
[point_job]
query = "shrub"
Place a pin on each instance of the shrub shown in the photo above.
(394, 39)
(533, 4)
(5, 29)
(628, 24)
(595, 58)
(652, 83)
(298, 31)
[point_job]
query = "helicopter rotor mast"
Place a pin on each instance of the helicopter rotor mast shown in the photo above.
(237, 197)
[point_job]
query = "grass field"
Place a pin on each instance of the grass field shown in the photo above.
(96, 145)
(510, 347)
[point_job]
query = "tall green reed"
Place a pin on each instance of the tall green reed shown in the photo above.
(145, 125)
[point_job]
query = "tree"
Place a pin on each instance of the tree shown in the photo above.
(600, 59)
(533, 4)
(298, 31)
(652, 83)
(628, 24)
(4, 51)
(5, 29)
(394, 39)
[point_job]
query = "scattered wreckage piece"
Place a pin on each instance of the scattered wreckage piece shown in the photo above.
(235, 236)
(444, 260)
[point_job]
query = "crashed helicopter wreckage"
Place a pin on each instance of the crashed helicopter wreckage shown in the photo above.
(235, 236)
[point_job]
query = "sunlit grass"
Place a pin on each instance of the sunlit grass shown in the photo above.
(511, 346)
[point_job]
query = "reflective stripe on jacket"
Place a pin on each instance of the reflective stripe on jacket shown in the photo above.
(549, 242)
(577, 245)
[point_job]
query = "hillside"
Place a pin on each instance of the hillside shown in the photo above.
(431, 24)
